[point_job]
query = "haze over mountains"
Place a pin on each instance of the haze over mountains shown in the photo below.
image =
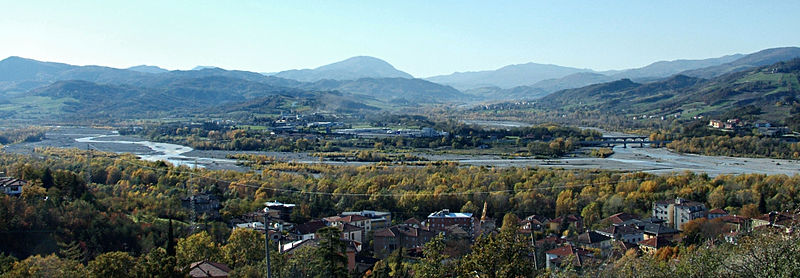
(356, 83)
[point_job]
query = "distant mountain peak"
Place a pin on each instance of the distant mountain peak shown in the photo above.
(147, 69)
(352, 68)
(204, 67)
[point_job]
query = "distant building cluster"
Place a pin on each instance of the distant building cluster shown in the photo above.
(764, 128)
(388, 132)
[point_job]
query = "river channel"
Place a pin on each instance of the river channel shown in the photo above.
(653, 160)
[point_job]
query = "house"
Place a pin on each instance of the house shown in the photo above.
(619, 218)
(378, 219)
(782, 220)
(534, 222)
(572, 222)
(279, 210)
(716, 124)
(362, 222)
(308, 230)
(440, 220)
(11, 186)
(592, 239)
(678, 211)
(735, 223)
(716, 213)
(208, 269)
(624, 233)
(352, 232)
(652, 230)
(386, 240)
(652, 245)
(579, 256)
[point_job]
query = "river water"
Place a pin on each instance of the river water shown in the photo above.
(653, 160)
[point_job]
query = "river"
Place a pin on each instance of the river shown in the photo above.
(652, 160)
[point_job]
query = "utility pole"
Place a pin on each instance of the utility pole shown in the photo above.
(266, 240)
(533, 243)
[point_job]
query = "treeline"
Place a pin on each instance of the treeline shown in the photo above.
(536, 140)
(18, 135)
(746, 146)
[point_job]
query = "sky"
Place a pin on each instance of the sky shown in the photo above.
(423, 38)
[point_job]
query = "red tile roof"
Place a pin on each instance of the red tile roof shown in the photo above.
(208, 269)
(717, 211)
(655, 242)
(620, 217)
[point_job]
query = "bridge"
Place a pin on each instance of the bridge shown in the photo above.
(622, 140)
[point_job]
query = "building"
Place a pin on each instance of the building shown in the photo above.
(378, 219)
(571, 222)
(592, 239)
(386, 240)
(440, 220)
(208, 269)
(679, 211)
(308, 230)
(782, 220)
(362, 222)
(11, 186)
(580, 257)
(652, 245)
(624, 233)
(279, 210)
(352, 232)
(534, 222)
(619, 218)
(716, 213)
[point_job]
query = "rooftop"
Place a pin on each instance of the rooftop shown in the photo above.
(445, 213)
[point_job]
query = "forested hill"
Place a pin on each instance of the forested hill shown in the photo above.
(771, 90)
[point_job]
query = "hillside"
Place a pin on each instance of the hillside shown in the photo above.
(758, 59)
(395, 90)
(349, 69)
(516, 93)
(505, 77)
(771, 89)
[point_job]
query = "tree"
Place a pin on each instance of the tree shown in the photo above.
(565, 204)
(330, 256)
(245, 247)
(433, 264)
(6, 262)
(157, 263)
(112, 264)
(591, 214)
(47, 266)
(195, 248)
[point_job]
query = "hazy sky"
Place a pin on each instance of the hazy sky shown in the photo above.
(423, 38)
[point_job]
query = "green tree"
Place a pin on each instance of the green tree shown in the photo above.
(47, 266)
(195, 248)
(157, 263)
(330, 256)
(432, 265)
(244, 247)
(112, 264)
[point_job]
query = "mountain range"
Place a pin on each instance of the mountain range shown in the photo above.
(356, 83)
(767, 92)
